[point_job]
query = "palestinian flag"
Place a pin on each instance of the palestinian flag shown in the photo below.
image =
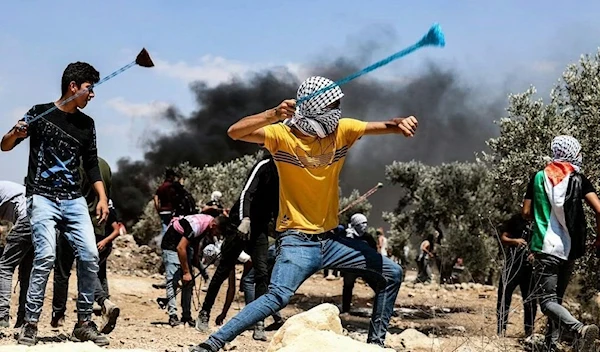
(550, 234)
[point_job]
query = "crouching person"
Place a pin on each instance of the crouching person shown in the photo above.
(177, 249)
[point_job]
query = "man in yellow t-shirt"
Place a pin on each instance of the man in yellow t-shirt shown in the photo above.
(309, 149)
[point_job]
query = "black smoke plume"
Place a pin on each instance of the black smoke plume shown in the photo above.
(455, 120)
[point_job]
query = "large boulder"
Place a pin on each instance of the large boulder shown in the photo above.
(318, 329)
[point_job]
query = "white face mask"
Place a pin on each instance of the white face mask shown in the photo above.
(361, 228)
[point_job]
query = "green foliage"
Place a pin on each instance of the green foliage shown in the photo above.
(458, 197)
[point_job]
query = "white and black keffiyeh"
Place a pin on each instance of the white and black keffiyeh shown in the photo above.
(567, 148)
(312, 116)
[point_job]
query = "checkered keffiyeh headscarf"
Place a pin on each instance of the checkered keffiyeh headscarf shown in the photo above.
(567, 148)
(311, 117)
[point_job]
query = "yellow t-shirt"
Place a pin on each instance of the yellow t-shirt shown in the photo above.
(309, 170)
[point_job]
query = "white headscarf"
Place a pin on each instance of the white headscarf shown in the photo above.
(312, 116)
(567, 149)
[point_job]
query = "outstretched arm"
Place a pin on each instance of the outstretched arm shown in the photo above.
(250, 128)
(405, 125)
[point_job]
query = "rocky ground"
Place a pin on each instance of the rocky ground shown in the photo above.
(460, 318)
(427, 318)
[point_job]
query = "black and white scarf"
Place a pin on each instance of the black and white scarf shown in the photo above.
(312, 116)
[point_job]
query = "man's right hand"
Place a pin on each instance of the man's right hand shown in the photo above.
(283, 111)
(244, 228)
(520, 242)
(20, 129)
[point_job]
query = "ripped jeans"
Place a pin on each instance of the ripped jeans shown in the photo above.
(299, 256)
(73, 220)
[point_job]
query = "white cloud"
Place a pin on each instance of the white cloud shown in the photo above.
(216, 69)
(134, 110)
(545, 66)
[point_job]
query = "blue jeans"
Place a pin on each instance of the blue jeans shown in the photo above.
(299, 257)
(73, 219)
(173, 274)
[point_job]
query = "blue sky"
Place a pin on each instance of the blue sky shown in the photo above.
(504, 43)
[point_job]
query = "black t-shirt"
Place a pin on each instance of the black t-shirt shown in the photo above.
(516, 227)
(59, 143)
(172, 238)
(586, 186)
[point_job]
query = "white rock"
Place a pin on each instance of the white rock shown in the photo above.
(318, 329)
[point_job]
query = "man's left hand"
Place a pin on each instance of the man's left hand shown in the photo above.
(102, 210)
(407, 125)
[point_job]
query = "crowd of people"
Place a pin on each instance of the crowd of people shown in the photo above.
(63, 215)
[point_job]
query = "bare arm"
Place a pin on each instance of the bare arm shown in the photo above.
(507, 241)
(250, 128)
(593, 201)
(182, 254)
(102, 207)
(406, 126)
(526, 211)
(10, 139)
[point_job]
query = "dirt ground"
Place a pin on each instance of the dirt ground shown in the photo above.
(458, 317)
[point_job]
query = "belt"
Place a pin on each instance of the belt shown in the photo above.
(320, 236)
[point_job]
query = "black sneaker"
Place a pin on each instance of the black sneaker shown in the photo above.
(188, 321)
(173, 320)
(88, 331)
(28, 334)
(201, 348)
(275, 326)
(58, 320)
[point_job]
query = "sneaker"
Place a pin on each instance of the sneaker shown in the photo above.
(58, 320)
(88, 331)
(173, 320)
(275, 326)
(4, 322)
(188, 321)
(330, 277)
(259, 331)
(28, 334)
(202, 321)
(589, 334)
(110, 313)
(201, 348)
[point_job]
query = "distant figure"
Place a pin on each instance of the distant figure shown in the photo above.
(382, 243)
(425, 255)
(164, 200)
(357, 230)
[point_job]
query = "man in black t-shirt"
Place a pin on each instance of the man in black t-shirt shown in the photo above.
(60, 141)
(517, 271)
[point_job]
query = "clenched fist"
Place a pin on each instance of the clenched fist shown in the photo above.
(407, 125)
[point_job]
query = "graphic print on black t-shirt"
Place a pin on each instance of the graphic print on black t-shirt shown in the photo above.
(59, 143)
